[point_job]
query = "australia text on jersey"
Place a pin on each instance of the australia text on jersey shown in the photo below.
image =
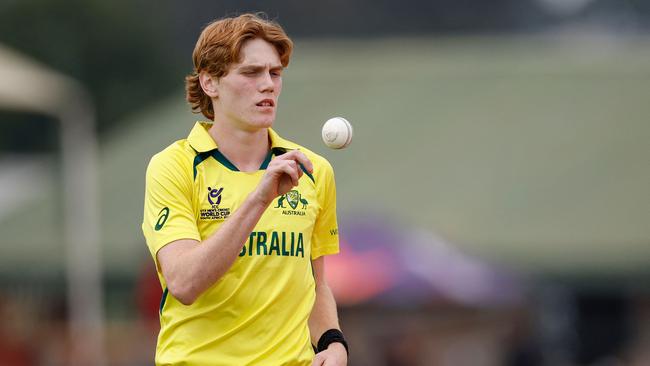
(284, 244)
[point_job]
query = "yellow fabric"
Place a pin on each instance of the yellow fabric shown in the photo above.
(256, 314)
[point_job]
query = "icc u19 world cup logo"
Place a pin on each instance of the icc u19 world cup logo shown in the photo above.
(214, 196)
(215, 211)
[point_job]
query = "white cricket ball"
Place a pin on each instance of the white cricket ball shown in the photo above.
(337, 133)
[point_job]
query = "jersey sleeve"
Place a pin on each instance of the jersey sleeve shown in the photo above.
(325, 237)
(168, 212)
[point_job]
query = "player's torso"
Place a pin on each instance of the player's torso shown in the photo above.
(259, 308)
(219, 191)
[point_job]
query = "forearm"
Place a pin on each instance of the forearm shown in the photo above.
(196, 269)
(323, 318)
(323, 315)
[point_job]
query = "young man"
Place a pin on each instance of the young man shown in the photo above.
(238, 219)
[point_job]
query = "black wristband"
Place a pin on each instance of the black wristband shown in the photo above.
(329, 337)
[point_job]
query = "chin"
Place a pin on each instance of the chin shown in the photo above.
(264, 122)
(256, 121)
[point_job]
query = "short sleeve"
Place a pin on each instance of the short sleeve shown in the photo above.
(168, 212)
(325, 237)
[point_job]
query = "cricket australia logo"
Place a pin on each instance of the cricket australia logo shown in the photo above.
(293, 199)
(215, 212)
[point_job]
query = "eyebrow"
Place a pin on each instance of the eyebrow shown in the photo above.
(260, 67)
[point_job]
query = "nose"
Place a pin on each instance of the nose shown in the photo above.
(266, 83)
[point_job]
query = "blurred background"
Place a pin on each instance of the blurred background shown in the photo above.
(494, 205)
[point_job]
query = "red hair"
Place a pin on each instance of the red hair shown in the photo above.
(219, 46)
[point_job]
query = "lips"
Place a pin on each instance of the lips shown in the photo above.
(266, 103)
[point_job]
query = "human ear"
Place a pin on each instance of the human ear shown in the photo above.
(208, 84)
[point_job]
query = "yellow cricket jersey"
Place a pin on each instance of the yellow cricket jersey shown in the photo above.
(256, 314)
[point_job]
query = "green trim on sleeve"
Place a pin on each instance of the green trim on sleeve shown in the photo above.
(163, 299)
(308, 173)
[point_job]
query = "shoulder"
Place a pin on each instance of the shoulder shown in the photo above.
(322, 166)
(176, 158)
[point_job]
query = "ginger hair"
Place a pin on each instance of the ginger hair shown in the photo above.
(219, 46)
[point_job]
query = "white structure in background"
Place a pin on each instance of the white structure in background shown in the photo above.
(20, 177)
(30, 87)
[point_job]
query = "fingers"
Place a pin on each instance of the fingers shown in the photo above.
(318, 360)
(299, 157)
(294, 159)
(284, 172)
(291, 168)
(329, 357)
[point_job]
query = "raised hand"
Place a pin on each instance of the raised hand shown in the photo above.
(282, 174)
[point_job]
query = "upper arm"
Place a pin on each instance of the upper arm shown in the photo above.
(168, 211)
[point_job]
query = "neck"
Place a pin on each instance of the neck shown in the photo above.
(246, 149)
